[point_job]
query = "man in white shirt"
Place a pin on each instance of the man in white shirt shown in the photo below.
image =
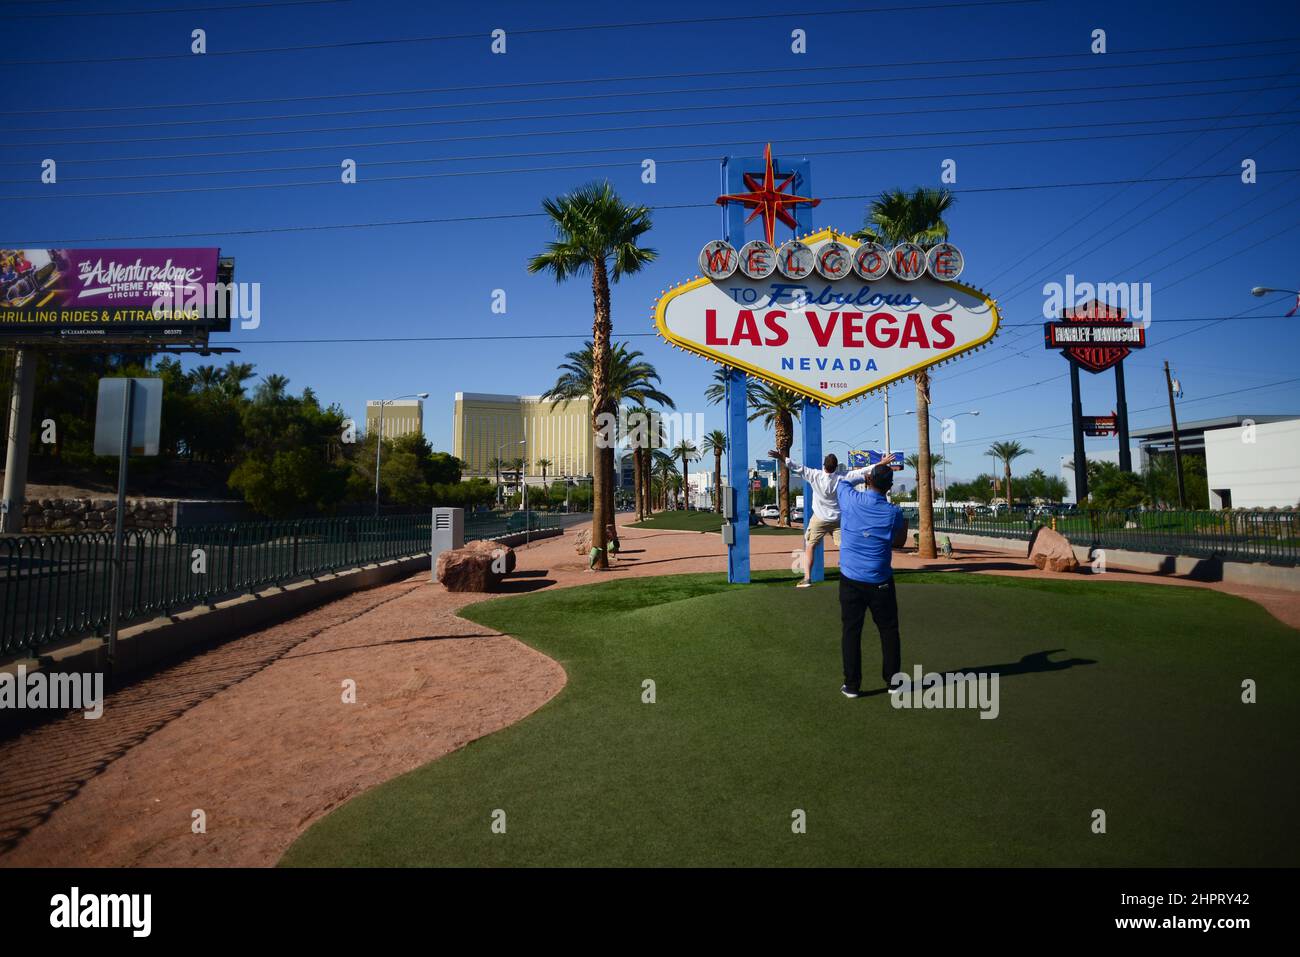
(825, 504)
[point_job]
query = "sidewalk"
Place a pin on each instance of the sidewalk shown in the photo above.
(256, 735)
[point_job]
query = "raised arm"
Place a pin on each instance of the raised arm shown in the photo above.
(795, 468)
(856, 476)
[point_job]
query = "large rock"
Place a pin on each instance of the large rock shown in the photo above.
(1051, 551)
(582, 542)
(494, 550)
(462, 569)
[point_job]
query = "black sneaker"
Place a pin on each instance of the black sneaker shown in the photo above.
(850, 692)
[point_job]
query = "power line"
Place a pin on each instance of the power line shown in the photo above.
(728, 107)
(749, 88)
(529, 31)
(45, 194)
(493, 217)
(116, 14)
(697, 74)
(381, 340)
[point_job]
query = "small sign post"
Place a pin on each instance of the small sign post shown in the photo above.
(128, 420)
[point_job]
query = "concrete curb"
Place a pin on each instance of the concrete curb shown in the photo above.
(1255, 574)
(164, 640)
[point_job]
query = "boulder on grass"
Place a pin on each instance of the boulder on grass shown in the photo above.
(494, 550)
(1051, 551)
(464, 570)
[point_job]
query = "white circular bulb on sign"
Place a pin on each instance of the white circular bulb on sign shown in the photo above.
(834, 261)
(945, 262)
(757, 259)
(907, 261)
(718, 259)
(871, 261)
(794, 260)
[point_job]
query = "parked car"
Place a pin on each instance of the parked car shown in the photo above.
(770, 511)
(796, 516)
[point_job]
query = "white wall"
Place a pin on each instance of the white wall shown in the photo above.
(1260, 473)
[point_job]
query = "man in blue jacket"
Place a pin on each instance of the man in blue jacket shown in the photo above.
(870, 526)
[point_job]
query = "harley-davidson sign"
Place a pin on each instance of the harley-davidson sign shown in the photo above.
(1094, 336)
(826, 316)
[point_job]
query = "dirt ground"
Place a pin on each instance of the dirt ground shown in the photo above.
(256, 735)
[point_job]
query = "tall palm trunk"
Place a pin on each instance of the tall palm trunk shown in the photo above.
(649, 483)
(686, 486)
(601, 328)
(636, 482)
(784, 439)
(925, 490)
(1007, 476)
(717, 480)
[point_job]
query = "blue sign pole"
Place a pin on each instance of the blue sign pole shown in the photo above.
(737, 387)
(738, 475)
(737, 409)
(811, 414)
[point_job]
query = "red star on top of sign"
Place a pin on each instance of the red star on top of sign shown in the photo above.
(768, 198)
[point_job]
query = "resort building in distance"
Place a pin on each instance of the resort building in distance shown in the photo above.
(487, 426)
(401, 417)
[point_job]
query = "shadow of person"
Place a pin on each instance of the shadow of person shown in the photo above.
(1035, 663)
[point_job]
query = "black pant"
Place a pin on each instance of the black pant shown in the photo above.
(855, 598)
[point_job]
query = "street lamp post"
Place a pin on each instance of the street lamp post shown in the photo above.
(379, 442)
(500, 497)
(944, 443)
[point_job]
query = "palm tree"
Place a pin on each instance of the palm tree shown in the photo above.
(778, 408)
(716, 442)
(1006, 453)
(207, 377)
(913, 461)
(718, 391)
(644, 442)
(687, 452)
(544, 464)
(664, 467)
(896, 217)
(235, 375)
(496, 465)
(628, 378)
(273, 387)
(594, 230)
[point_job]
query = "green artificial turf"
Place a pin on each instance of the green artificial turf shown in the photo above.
(706, 522)
(1139, 714)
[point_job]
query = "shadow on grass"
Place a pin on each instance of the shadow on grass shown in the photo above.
(1037, 662)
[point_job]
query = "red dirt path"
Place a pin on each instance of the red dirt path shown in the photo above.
(255, 734)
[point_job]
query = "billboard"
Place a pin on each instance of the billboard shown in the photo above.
(139, 294)
(826, 316)
(861, 459)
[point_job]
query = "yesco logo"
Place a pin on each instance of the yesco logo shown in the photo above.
(103, 910)
(832, 261)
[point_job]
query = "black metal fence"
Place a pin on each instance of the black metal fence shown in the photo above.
(58, 586)
(1236, 536)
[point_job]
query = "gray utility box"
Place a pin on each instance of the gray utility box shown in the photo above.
(448, 533)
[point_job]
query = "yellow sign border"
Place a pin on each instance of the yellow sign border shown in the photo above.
(689, 345)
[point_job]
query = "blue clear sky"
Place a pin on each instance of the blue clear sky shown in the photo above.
(1201, 243)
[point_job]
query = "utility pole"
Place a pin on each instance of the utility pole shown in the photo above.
(20, 433)
(888, 448)
(1178, 446)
